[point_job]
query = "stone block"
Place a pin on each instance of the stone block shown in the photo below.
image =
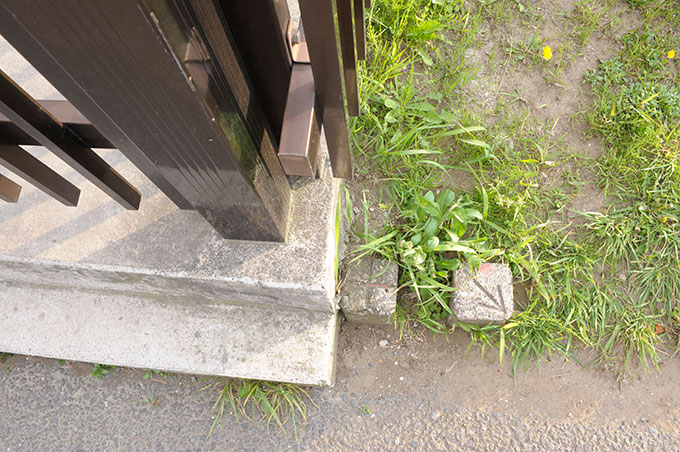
(369, 293)
(484, 296)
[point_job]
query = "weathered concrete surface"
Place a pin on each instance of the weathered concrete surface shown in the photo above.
(483, 297)
(166, 247)
(177, 334)
(111, 266)
(369, 292)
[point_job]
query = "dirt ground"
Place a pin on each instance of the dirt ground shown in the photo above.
(555, 390)
(553, 94)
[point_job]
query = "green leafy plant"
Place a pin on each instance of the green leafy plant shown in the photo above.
(99, 370)
(153, 401)
(429, 243)
(150, 374)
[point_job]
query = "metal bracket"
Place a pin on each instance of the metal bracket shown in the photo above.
(300, 133)
(301, 129)
(297, 43)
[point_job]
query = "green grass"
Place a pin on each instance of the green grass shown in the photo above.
(263, 400)
(609, 283)
(260, 400)
(150, 373)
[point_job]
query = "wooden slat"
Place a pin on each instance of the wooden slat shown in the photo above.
(9, 191)
(32, 118)
(23, 164)
(317, 18)
(349, 59)
(66, 114)
(360, 28)
(265, 53)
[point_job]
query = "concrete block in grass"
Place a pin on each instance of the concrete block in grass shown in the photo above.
(369, 293)
(483, 296)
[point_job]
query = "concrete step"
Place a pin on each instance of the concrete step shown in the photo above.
(159, 288)
(174, 334)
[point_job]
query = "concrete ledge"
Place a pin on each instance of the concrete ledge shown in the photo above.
(163, 249)
(160, 289)
(177, 335)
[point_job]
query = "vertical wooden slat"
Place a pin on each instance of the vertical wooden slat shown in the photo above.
(9, 191)
(360, 28)
(23, 164)
(349, 60)
(320, 31)
(36, 121)
(259, 29)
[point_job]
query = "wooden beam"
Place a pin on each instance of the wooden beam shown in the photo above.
(322, 43)
(23, 164)
(9, 191)
(27, 114)
(64, 112)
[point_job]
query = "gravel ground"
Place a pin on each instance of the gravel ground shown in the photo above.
(419, 395)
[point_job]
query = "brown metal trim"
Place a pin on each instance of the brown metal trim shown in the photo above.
(349, 60)
(24, 165)
(32, 118)
(282, 14)
(9, 191)
(297, 43)
(360, 29)
(299, 147)
(320, 30)
(64, 112)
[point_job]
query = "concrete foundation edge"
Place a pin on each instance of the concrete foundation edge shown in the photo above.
(180, 336)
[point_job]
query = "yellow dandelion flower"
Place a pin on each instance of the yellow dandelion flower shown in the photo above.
(671, 54)
(547, 53)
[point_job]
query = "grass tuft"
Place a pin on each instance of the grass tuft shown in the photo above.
(263, 400)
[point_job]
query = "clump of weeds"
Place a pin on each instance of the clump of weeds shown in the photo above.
(263, 400)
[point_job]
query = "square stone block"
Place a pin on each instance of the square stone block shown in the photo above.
(484, 296)
(369, 294)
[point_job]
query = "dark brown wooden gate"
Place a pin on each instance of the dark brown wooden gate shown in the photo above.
(217, 102)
